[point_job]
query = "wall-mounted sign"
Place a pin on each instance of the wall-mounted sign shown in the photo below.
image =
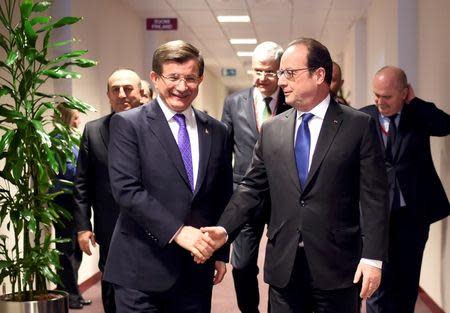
(228, 72)
(162, 24)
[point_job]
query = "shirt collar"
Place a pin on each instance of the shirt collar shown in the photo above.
(319, 110)
(257, 95)
(169, 113)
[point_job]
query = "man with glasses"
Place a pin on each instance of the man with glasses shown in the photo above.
(170, 174)
(243, 113)
(322, 165)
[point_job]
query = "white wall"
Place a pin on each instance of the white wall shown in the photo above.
(211, 95)
(432, 84)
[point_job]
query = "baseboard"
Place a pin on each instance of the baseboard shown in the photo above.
(429, 302)
(91, 281)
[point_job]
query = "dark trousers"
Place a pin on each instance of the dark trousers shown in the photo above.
(400, 278)
(71, 254)
(244, 259)
(299, 296)
(108, 298)
(191, 293)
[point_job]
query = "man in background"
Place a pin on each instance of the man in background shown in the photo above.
(336, 84)
(405, 124)
(243, 113)
(92, 185)
(147, 92)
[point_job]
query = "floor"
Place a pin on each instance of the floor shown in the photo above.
(223, 300)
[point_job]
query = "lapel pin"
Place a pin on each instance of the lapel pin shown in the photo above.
(206, 131)
(335, 122)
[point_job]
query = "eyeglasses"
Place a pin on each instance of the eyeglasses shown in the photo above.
(191, 80)
(290, 73)
(263, 74)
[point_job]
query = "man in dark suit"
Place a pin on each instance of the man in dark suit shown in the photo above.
(336, 85)
(243, 113)
(417, 198)
(92, 186)
(170, 174)
(320, 162)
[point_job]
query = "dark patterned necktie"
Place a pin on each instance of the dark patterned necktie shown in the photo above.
(184, 145)
(391, 137)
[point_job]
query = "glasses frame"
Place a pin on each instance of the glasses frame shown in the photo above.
(292, 72)
(265, 74)
(181, 78)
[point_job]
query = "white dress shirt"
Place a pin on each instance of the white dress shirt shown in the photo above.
(260, 105)
(315, 124)
(191, 125)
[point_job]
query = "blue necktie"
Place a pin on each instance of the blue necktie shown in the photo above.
(302, 145)
(184, 145)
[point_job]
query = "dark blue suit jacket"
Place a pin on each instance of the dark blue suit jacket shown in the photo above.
(150, 183)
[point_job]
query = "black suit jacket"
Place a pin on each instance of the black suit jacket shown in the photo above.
(347, 170)
(92, 186)
(240, 117)
(412, 164)
(150, 184)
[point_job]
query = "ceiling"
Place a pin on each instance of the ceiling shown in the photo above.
(276, 20)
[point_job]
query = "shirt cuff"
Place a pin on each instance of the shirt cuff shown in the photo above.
(176, 234)
(374, 263)
(223, 228)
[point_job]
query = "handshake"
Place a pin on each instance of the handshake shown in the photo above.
(203, 242)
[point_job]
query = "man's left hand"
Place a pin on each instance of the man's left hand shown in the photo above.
(371, 279)
(220, 271)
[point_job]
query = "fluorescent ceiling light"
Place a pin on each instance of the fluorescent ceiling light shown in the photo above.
(233, 18)
(243, 41)
(244, 53)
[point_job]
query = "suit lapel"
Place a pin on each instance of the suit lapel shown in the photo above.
(331, 123)
(160, 128)
(104, 131)
(376, 115)
(204, 142)
(249, 110)
(287, 146)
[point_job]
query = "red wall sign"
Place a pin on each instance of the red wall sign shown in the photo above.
(162, 24)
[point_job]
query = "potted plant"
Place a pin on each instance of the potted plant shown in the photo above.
(31, 154)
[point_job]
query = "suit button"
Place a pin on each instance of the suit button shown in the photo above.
(302, 203)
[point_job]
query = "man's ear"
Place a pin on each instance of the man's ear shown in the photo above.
(320, 75)
(153, 77)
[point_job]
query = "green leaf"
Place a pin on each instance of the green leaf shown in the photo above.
(61, 43)
(4, 90)
(3, 42)
(84, 62)
(25, 9)
(40, 20)
(59, 72)
(77, 104)
(41, 6)
(12, 57)
(66, 21)
(69, 55)
(41, 132)
(10, 114)
(6, 139)
(30, 33)
(42, 109)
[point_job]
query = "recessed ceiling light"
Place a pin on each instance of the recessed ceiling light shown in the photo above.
(243, 41)
(244, 53)
(233, 18)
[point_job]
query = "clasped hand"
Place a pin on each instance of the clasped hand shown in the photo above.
(201, 242)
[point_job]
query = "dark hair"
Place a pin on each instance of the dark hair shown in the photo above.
(318, 56)
(177, 51)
